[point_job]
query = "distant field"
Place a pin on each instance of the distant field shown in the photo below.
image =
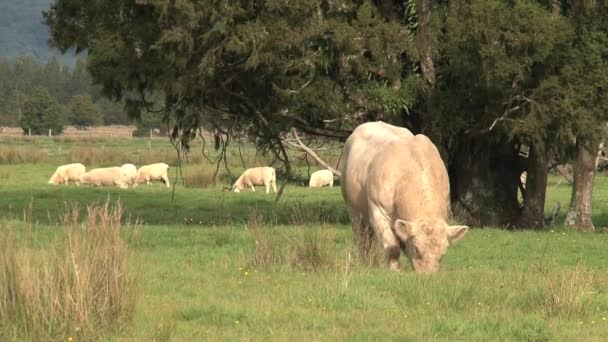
(215, 265)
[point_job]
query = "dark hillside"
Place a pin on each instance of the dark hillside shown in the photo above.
(22, 31)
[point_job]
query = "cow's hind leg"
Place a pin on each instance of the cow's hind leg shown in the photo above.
(363, 235)
(165, 180)
(267, 186)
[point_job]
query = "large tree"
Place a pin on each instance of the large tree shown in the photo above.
(261, 66)
(586, 80)
(486, 79)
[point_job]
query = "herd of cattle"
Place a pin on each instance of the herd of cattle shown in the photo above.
(120, 176)
(394, 183)
(129, 175)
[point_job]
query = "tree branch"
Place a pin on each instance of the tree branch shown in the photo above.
(302, 125)
(300, 145)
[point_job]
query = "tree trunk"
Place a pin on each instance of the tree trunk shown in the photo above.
(533, 212)
(555, 7)
(579, 213)
(484, 181)
(426, 44)
(578, 7)
(452, 7)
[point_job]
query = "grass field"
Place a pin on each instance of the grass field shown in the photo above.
(214, 265)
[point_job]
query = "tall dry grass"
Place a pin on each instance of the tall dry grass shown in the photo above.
(565, 293)
(21, 155)
(82, 285)
(90, 155)
(299, 248)
(201, 176)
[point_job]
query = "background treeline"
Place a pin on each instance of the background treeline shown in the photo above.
(41, 96)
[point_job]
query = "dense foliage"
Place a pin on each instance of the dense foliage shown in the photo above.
(41, 113)
(259, 66)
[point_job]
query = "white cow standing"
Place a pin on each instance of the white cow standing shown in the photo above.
(396, 187)
(148, 173)
(264, 175)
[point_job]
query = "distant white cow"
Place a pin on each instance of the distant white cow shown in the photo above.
(66, 173)
(264, 175)
(396, 187)
(131, 172)
(108, 176)
(321, 178)
(148, 173)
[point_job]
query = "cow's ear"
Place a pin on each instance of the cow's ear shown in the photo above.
(456, 233)
(404, 229)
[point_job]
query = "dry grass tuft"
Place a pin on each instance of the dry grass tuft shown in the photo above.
(301, 248)
(96, 156)
(565, 292)
(80, 286)
(266, 253)
(22, 155)
(201, 176)
(312, 251)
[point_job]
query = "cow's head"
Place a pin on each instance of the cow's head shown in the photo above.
(426, 241)
(137, 179)
(53, 180)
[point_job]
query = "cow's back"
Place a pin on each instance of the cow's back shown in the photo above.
(363, 144)
(408, 179)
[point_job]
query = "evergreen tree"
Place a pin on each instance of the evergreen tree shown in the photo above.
(41, 113)
(83, 112)
(112, 112)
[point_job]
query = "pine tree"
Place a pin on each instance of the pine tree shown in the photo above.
(83, 112)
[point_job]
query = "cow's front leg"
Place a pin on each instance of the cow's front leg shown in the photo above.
(382, 227)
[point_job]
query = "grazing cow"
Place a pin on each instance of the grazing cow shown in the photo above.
(396, 187)
(131, 171)
(321, 178)
(108, 176)
(264, 175)
(66, 173)
(148, 173)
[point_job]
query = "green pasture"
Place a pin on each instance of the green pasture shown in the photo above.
(215, 265)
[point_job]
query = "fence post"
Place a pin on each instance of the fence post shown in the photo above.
(50, 132)
(29, 132)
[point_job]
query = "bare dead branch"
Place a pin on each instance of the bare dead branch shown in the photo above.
(324, 132)
(312, 153)
(290, 91)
